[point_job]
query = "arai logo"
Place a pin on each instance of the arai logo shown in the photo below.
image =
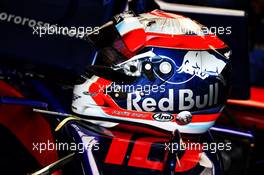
(163, 117)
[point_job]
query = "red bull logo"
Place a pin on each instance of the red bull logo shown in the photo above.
(201, 64)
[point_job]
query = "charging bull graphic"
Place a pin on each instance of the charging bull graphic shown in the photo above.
(202, 64)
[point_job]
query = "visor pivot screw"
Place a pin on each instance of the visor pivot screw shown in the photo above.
(165, 67)
(184, 118)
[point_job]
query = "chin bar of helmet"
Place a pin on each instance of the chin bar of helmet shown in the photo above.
(184, 121)
(177, 121)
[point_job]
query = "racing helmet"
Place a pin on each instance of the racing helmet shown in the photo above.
(158, 69)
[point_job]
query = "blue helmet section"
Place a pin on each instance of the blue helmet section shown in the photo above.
(172, 80)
